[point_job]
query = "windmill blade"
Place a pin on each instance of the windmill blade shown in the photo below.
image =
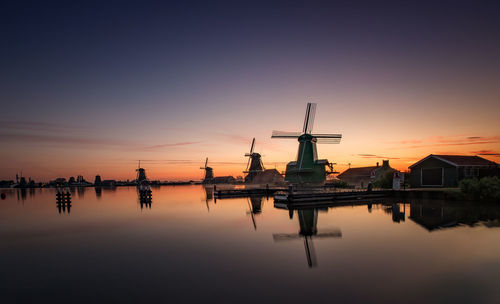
(309, 119)
(327, 138)
(278, 237)
(251, 148)
(248, 163)
(284, 134)
(206, 162)
(330, 234)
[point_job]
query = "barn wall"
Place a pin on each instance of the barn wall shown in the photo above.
(450, 173)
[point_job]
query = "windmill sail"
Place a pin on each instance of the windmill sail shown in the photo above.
(285, 134)
(309, 119)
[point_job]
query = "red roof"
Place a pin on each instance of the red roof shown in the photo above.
(460, 160)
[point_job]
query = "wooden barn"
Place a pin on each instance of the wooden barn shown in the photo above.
(447, 170)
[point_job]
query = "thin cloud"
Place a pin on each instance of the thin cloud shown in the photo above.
(444, 141)
(363, 155)
(405, 142)
(186, 143)
(64, 140)
(486, 153)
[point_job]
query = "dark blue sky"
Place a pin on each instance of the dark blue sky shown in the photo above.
(72, 52)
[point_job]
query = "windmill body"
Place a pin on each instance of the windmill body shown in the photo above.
(307, 168)
(141, 175)
(254, 165)
(209, 173)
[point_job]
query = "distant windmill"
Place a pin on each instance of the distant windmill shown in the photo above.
(141, 175)
(254, 165)
(308, 169)
(308, 220)
(209, 173)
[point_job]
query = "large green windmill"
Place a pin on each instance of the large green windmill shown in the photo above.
(308, 169)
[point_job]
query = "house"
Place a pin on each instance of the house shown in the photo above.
(448, 170)
(362, 176)
(108, 183)
(268, 176)
(223, 180)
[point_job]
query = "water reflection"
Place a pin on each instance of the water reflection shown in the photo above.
(98, 192)
(398, 215)
(97, 248)
(81, 192)
(63, 200)
(145, 195)
(433, 215)
(21, 194)
(308, 223)
(209, 195)
(255, 208)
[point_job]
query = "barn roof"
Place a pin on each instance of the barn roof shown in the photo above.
(459, 160)
(362, 171)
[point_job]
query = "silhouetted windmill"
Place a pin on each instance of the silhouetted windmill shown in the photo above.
(141, 175)
(308, 221)
(308, 168)
(254, 165)
(209, 173)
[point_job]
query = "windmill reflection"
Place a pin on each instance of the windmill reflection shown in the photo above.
(98, 192)
(209, 195)
(63, 200)
(255, 206)
(145, 196)
(308, 222)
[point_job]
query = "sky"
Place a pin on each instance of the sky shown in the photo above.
(92, 87)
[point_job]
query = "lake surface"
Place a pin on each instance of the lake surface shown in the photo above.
(182, 247)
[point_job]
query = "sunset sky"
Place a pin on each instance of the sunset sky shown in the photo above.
(90, 88)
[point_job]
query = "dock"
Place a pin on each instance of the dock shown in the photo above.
(235, 193)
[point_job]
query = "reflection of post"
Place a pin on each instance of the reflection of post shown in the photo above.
(397, 215)
(98, 192)
(145, 196)
(308, 221)
(63, 200)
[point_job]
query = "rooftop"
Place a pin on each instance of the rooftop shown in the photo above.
(460, 160)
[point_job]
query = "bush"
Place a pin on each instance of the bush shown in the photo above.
(488, 188)
(337, 183)
(384, 181)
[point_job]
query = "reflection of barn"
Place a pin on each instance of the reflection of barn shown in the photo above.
(433, 215)
(448, 170)
(362, 176)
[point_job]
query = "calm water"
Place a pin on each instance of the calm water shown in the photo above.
(108, 247)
